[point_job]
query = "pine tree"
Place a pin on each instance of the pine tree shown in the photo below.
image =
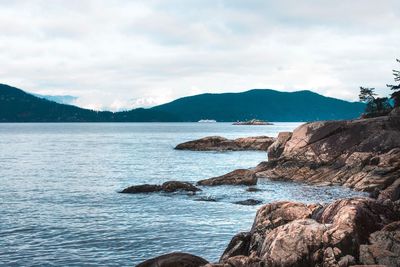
(396, 88)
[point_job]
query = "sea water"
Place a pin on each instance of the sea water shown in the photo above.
(59, 200)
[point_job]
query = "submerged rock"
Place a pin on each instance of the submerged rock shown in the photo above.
(248, 202)
(253, 189)
(174, 260)
(167, 187)
(237, 177)
(218, 143)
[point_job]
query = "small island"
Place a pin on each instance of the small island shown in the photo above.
(253, 122)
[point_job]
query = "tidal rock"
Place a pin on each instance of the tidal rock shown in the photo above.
(145, 188)
(237, 177)
(249, 202)
(174, 260)
(173, 186)
(253, 189)
(167, 187)
(218, 143)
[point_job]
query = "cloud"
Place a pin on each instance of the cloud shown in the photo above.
(124, 54)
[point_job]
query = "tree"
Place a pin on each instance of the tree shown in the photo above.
(374, 104)
(396, 88)
(367, 94)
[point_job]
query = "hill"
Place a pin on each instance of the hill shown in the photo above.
(265, 104)
(19, 106)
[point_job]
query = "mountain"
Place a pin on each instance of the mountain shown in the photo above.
(19, 106)
(61, 99)
(265, 104)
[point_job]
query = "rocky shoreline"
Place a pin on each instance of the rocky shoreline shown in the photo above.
(361, 154)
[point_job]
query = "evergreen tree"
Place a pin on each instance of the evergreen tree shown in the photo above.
(396, 88)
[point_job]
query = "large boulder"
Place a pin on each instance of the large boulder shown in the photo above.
(237, 177)
(218, 143)
(175, 259)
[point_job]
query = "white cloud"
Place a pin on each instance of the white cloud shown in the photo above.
(124, 54)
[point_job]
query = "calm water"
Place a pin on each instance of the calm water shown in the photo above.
(59, 204)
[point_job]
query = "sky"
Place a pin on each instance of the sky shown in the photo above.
(120, 55)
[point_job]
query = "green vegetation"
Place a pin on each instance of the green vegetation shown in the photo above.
(396, 88)
(263, 104)
(380, 106)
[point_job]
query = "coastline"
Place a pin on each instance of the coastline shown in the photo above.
(361, 154)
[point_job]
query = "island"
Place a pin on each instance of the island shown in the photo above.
(253, 122)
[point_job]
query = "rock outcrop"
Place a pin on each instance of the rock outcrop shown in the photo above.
(167, 187)
(295, 234)
(218, 143)
(360, 154)
(237, 177)
(174, 260)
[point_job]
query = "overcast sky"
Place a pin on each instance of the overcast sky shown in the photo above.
(124, 54)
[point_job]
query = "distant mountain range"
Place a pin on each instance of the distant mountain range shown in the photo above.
(61, 99)
(264, 104)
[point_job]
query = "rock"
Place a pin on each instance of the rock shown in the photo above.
(361, 154)
(248, 202)
(145, 188)
(207, 199)
(346, 261)
(239, 245)
(237, 177)
(218, 143)
(174, 260)
(352, 221)
(302, 236)
(273, 215)
(252, 122)
(295, 234)
(167, 187)
(173, 186)
(276, 149)
(395, 112)
(253, 189)
(384, 247)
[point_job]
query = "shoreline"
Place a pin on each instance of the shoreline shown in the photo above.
(363, 155)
